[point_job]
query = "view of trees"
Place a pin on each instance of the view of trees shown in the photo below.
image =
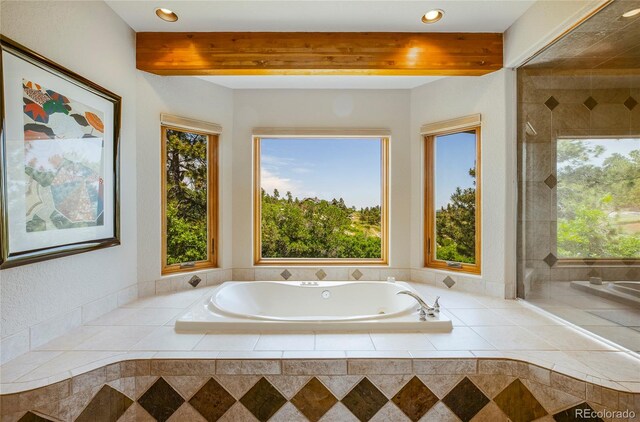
(598, 201)
(186, 191)
(456, 226)
(317, 228)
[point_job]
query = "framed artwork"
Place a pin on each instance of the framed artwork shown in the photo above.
(59, 161)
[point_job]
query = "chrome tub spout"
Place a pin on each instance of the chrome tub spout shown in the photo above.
(425, 310)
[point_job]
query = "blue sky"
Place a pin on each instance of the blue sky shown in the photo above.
(455, 155)
(326, 168)
(350, 168)
(622, 146)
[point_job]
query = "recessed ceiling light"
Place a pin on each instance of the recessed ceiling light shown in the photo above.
(166, 14)
(631, 13)
(432, 16)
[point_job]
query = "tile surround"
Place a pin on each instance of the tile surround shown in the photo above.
(353, 388)
(440, 367)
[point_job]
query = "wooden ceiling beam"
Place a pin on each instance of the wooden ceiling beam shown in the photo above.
(319, 53)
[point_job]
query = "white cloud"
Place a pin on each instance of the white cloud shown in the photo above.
(270, 181)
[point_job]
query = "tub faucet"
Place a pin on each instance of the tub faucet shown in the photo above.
(425, 309)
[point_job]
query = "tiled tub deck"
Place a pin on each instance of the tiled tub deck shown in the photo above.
(319, 390)
(503, 360)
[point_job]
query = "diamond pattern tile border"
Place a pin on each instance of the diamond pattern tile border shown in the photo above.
(590, 103)
(465, 400)
(550, 260)
(364, 400)
(32, 417)
(285, 274)
(161, 400)
(448, 281)
(107, 405)
(314, 400)
(571, 414)
(630, 103)
(321, 275)
(263, 400)
(551, 181)
(517, 402)
(551, 103)
(357, 274)
(212, 400)
(415, 399)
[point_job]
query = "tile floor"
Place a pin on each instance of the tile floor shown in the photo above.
(612, 320)
(483, 327)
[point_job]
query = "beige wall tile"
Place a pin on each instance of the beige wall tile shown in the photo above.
(183, 367)
(317, 367)
(445, 366)
(568, 384)
(247, 367)
(379, 366)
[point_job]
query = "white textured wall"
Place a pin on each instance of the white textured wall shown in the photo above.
(325, 109)
(90, 39)
(492, 96)
(187, 97)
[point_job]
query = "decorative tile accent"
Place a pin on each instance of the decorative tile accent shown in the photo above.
(285, 274)
(630, 103)
(448, 281)
(161, 400)
(632, 274)
(517, 402)
(212, 401)
(321, 275)
(32, 417)
(194, 281)
(107, 405)
(357, 274)
(465, 400)
(263, 400)
(415, 399)
(551, 181)
(551, 103)
(314, 400)
(364, 400)
(550, 260)
(569, 415)
(590, 103)
(593, 273)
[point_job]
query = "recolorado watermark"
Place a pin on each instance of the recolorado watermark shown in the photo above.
(604, 414)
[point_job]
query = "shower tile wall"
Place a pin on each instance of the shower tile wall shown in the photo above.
(556, 103)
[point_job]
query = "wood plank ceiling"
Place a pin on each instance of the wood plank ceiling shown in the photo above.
(319, 53)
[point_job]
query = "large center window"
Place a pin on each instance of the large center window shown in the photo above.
(320, 200)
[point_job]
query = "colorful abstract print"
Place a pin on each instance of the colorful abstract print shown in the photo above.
(63, 144)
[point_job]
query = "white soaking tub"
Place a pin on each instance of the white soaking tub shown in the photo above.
(310, 306)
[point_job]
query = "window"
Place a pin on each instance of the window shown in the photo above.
(189, 199)
(452, 205)
(598, 188)
(320, 200)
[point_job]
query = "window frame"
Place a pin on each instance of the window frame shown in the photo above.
(429, 213)
(212, 202)
(582, 262)
(258, 260)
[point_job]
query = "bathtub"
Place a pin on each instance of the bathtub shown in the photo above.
(626, 292)
(310, 306)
